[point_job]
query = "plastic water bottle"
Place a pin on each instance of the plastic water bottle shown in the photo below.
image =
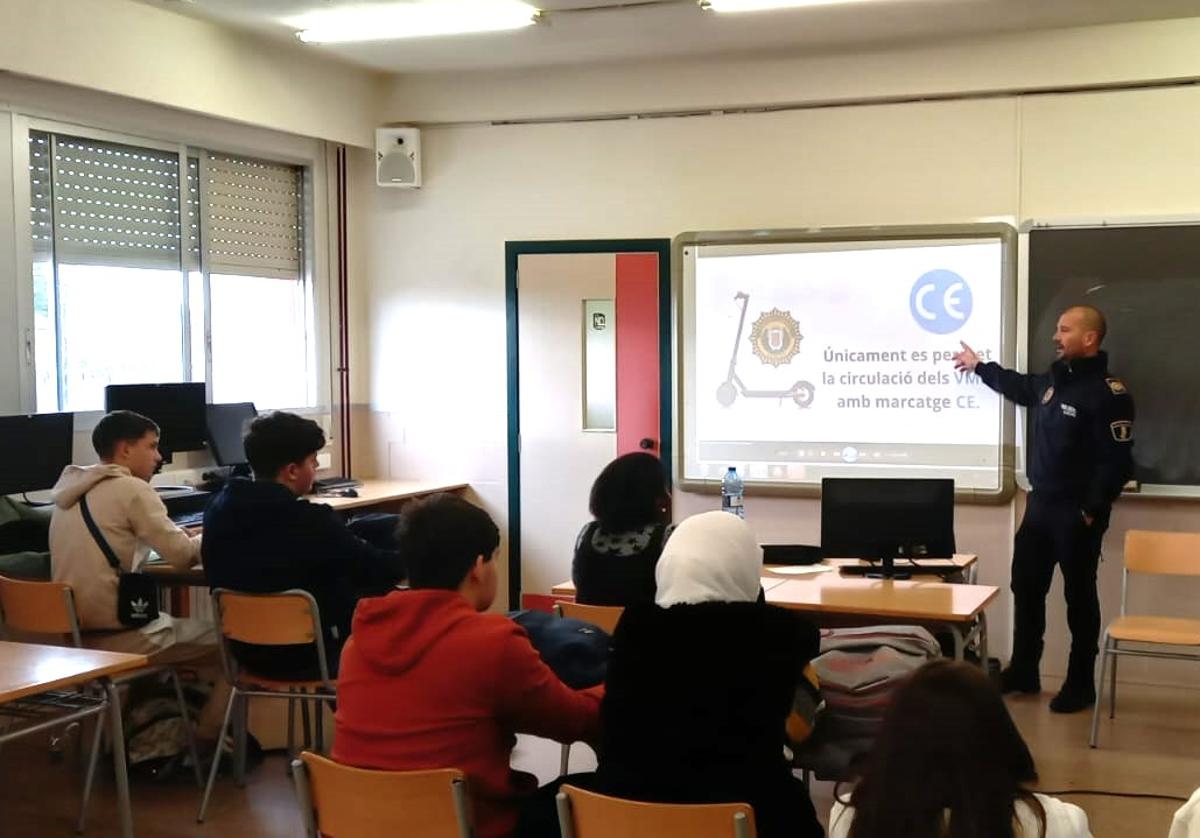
(732, 490)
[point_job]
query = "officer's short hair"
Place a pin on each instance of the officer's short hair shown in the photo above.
(1093, 320)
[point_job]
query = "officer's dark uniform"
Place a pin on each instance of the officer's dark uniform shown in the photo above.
(1080, 456)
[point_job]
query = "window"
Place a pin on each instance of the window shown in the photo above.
(153, 265)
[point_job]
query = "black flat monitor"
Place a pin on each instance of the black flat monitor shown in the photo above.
(227, 424)
(887, 518)
(177, 409)
(34, 450)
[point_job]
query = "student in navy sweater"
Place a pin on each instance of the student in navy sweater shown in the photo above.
(262, 536)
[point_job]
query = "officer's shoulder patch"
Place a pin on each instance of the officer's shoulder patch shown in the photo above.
(1122, 430)
(1117, 386)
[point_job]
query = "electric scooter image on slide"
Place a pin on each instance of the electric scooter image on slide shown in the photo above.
(802, 392)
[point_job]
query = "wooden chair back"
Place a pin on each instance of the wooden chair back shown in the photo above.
(602, 616)
(346, 802)
(286, 618)
(282, 619)
(39, 607)
(1174, 553)
(585, 814)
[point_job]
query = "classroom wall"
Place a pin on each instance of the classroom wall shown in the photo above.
(158, 55)
(1116, 54)
(436, 255)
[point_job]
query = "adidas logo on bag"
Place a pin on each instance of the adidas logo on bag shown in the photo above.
(140, 607)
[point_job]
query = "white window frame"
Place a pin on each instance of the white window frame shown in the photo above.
(314, 255)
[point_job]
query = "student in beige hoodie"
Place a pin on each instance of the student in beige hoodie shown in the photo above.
(133, 520)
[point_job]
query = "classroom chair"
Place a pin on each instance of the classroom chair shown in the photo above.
(601, 616)
(48, 608)
(1157, 553)
(604, 617)
(585, 814)
(341, 800)
(282, 619)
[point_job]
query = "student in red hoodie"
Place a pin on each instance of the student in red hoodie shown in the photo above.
(427, 681)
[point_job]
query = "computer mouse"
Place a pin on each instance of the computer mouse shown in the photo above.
(350, 493)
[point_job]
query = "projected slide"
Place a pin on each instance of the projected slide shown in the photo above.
(803, 361)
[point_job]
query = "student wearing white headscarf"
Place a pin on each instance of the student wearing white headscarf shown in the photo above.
(700, 684)
(712, 557)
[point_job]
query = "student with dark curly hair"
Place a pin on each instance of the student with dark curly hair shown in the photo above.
(616, 553)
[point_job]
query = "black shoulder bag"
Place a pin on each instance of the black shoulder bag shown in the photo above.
(137, 593)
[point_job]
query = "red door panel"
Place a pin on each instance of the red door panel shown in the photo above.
(637, 352)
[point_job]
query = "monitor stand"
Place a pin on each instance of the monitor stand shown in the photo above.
(887, 566)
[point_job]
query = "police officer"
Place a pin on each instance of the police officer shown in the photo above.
(1080, 456)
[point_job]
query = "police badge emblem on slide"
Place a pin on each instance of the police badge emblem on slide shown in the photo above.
(775, 337)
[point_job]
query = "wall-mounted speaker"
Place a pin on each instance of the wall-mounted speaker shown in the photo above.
(398, 157)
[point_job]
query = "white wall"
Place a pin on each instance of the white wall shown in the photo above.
(437, 275)
(1116, 54)
(153, 54)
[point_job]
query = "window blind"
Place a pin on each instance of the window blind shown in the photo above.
(114, 205)
(191, 227)
(41, 211)
(252, 217)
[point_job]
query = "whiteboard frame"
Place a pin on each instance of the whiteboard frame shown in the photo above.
(1009, 324)
(1165, 491)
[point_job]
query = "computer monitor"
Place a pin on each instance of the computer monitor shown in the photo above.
(887, 518)
(34, 450)
(227, 425)
(177, 409)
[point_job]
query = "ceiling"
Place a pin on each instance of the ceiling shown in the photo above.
(674, 30)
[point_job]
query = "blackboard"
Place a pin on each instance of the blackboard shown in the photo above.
(1146, 280)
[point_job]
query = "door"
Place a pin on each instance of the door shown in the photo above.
(586, 323)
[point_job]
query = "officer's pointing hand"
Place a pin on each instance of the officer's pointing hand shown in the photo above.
(965, 360)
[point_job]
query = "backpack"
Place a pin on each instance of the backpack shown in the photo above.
(859, 671)
(156, 741)
(576, 651)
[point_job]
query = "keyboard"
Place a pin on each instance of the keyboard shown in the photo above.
(329, 484)
(188, 519)
(930, 566)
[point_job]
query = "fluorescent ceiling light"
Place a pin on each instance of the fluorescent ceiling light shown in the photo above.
(385, 22)
(767, 5)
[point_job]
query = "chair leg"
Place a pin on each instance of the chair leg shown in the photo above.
(291, 725)
(188, 727)
(1104, 664)
(1112, 683)
(566, 823)
(304, 719)
(216, 760)
(319, 713)
(91, 773)
(304, 797)
(564, 761)
(243, 722)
